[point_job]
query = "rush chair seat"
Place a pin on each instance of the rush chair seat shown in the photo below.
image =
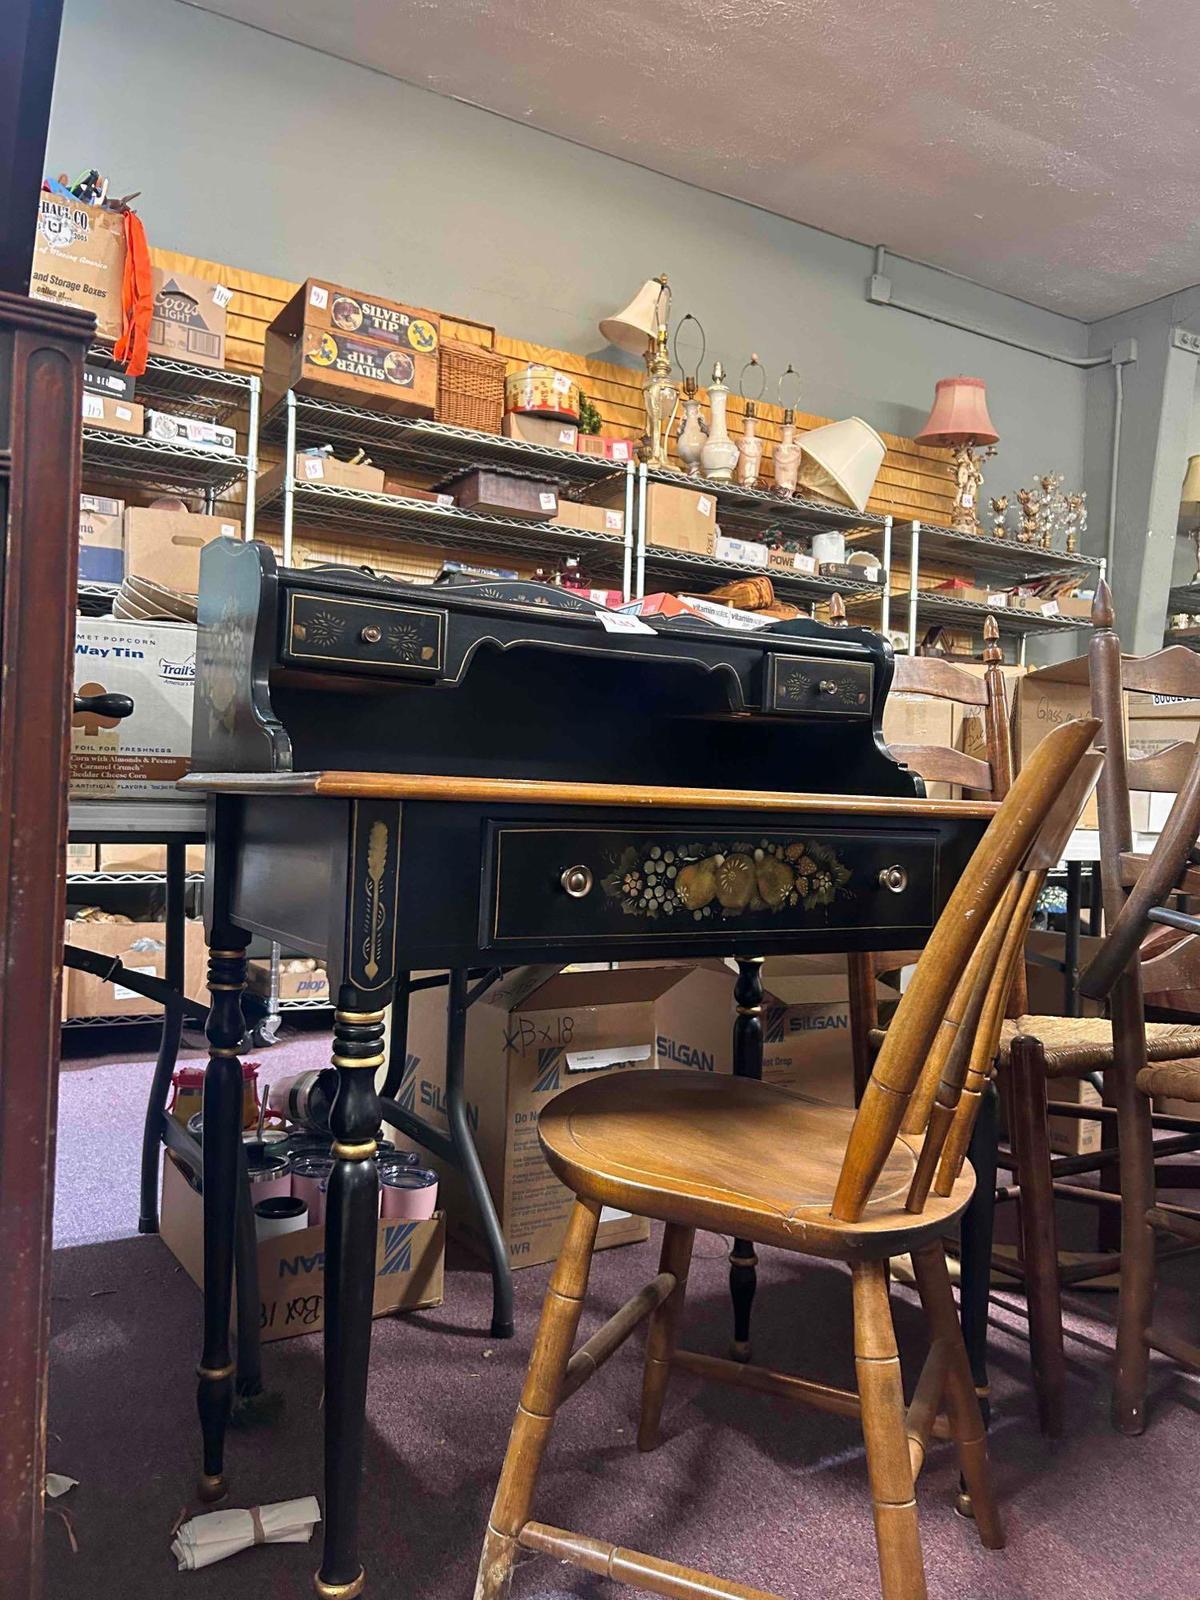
(1076, 1046)
(746, 1158)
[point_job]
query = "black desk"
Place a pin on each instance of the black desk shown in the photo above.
(626, 810)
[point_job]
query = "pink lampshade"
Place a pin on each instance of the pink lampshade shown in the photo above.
(959, 415)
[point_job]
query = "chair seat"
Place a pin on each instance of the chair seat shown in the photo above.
(1179, 1080)
(1075, 1045)
(736, 1156)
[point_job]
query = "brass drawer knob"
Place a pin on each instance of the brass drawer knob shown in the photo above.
(371, 634)
(828, 686)
(894, 878)
(577, 881)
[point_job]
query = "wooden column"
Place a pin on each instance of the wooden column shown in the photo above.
(41, 361)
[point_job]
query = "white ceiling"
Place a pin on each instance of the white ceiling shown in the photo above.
(1047, 148)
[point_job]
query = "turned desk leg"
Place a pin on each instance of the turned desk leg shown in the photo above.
(747, 1063)
(351, 1227)
(221, 1162)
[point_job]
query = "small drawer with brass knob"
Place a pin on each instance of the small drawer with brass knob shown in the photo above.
(805, 685)
(347, 635)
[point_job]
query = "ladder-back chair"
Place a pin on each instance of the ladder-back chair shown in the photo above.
(742, 1157)
(1138, 891)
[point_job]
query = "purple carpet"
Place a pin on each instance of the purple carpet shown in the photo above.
(771, 1496)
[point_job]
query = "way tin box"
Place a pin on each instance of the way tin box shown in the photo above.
(340, 344)
(144, 755)
(530, 1037)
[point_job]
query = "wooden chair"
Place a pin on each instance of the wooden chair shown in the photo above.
(1138, 890)
(750, 1159)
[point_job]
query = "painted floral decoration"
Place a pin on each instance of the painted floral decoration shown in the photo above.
(721, 880)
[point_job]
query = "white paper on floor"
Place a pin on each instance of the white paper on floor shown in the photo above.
(217, 1534)
(58, 1483)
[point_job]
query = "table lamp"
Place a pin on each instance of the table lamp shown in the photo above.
(960, 420)
(641, 328)
(1189, 508)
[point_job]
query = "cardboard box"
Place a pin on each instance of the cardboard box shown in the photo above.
(164, 546)
(792, 561)
(146, 858)
(79, 260)
(325, 470)
(81, 858)
(529, 1037)
(746, 551)
(619, 450)
(140, 946)
(680, 519)
(1045, 699)
(530, 429)
(409, 1262)
(691, 605)
(147, 753)
(188, 322)
(306, 985)
(116, 416)
(101, 539)
(806, 1026)
(341, 345)
(194, 433)
(593, 519)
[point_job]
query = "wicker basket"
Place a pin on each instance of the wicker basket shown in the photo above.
(470, 386)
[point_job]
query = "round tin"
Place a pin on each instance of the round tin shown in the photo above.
(408, 1192)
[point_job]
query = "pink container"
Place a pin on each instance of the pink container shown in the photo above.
(310, 1181)
(270, 1178)
(408, 1192)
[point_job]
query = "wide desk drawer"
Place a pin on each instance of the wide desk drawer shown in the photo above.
(587, 884)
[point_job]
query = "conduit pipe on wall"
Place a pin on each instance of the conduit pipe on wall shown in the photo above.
(879, 293)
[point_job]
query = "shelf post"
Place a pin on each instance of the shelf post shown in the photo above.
(627, 576)
(913, 557)
(251, 455)
(885, 602)
(289, 470)
(641, 532)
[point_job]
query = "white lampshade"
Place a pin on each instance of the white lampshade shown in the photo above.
(635, 327)
(841, 461)
(1189, 495)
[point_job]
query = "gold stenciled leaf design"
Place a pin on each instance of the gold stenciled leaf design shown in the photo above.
(377, 853)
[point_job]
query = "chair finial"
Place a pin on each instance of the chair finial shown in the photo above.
(992, 652)
(837, 612)
(1102, 606)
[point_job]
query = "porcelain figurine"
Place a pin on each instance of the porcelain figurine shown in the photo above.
(719, 454)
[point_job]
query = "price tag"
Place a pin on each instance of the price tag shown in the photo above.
(314, 467)
(93, 406)
(229, 529)
(614, 521)
(968, 500)
(222, 296)
(566, 436)
(318, 297)
(620, 450)
(548, 501)
(561, 383)
(445, 499)
(1050, 609)
(622, 622)
(124, 413)
(704, 506)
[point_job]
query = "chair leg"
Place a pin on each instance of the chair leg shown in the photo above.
(747, 1063)
(676, 1257)
(966, 1419)
(1039, 1232)
(539, 1401)
(978, 1226)
(1136, 1300)
(881, 1391)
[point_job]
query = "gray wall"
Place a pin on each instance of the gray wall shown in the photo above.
(262, 154)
